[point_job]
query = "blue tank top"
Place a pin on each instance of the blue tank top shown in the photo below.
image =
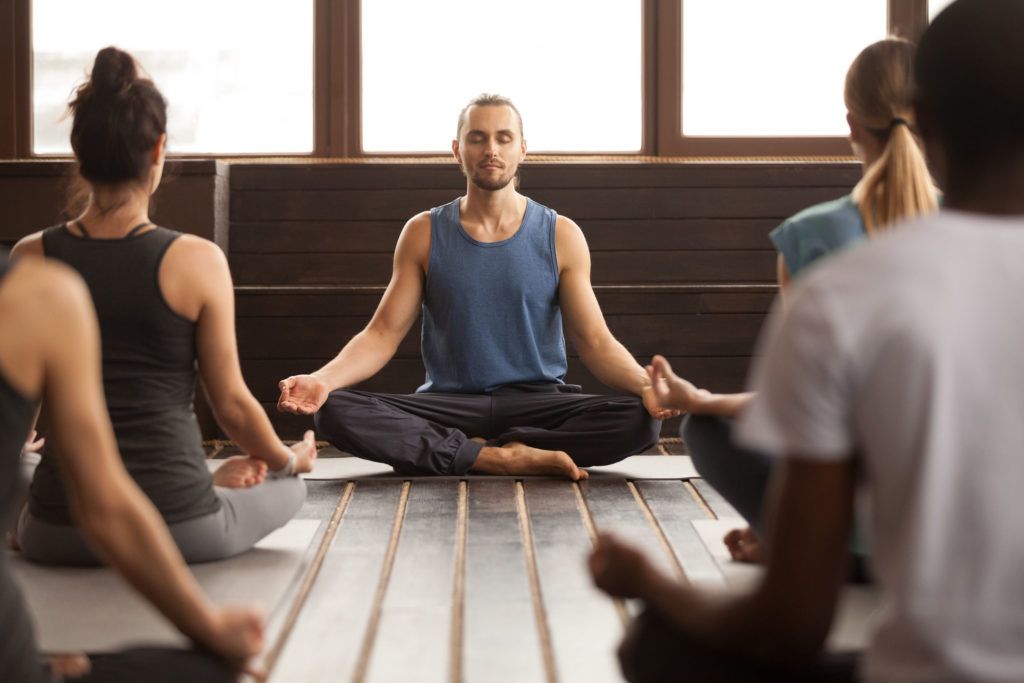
(817, 231)
(490, 309)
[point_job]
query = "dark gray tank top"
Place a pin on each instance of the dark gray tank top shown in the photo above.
(149, 372)
(18, 658)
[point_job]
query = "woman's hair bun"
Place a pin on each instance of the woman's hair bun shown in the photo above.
(113, 72)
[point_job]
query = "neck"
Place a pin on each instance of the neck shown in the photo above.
(998, 191)
(115, 211)
(492, 208)
(869, 155)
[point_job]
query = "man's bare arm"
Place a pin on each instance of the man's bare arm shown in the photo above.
(371, 349)
(599, 350)
(787, 617)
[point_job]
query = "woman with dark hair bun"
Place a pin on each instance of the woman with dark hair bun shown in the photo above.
(165, 304)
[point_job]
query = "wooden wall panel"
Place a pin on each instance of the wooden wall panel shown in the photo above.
(192, 199)
(681, 258)
(682, 262)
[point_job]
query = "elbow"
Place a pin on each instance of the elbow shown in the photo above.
(102, 518)
(233, 412)
(590, 347)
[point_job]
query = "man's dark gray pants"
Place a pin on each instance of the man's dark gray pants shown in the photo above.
(430, 433)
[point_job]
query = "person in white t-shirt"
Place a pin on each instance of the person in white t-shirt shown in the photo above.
(897, 366)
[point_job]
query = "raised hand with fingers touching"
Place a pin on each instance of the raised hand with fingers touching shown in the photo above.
(301, 394)
(672, 391)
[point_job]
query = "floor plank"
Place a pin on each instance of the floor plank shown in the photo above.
(585, 627)
(415, 621)
(615, 509)
(501, 641)
(327, 639)
(675, 509)
(714, 500)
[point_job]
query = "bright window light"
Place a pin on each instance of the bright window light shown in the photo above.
(936, 6)
(572, 67)
(237, 74)
(756, 68)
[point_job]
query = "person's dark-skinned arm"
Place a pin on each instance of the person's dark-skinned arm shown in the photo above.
(786, 618)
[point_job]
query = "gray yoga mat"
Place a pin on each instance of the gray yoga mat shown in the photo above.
(634, 467)
(93, 609)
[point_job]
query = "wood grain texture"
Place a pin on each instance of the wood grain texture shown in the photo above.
(675, 508)
(500, 640)
(326, 640)
(416, 611)
(584, 624)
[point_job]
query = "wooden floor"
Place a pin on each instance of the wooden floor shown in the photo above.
(477, 579)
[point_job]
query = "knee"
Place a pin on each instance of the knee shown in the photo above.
(703, 435)
(293, 491)
(643, 430)
(341, 402)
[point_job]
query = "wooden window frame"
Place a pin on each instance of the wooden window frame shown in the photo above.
(906, 18)
(337, 87)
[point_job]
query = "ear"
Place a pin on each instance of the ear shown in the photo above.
(523, 150)
(856, 131)
(159, 149)
(455, 151)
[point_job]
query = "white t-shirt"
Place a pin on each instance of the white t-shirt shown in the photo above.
(909, 352)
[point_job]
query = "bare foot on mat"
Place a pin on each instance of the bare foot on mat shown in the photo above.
(745, 546)
(518, 458)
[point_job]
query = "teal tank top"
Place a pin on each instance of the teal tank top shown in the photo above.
(491, 315)
(816, 231)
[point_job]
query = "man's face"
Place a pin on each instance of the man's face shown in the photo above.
(490, 146)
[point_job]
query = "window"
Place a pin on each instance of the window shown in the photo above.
(344, 78)
(936, 6)
(755, 68)
(573, 68)
(237, 74)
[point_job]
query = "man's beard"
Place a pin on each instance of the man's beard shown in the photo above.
(492, 185)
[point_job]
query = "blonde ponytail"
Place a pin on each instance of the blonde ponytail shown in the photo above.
(878, 94)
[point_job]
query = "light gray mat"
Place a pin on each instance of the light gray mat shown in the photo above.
(93, 609)
(634, 467)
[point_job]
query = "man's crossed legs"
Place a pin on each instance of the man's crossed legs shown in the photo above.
(518, 429)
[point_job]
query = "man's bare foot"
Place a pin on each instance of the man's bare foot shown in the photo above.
(12, 541)
(518, 458)
(70, 664)
(240, 472)
(745, 546)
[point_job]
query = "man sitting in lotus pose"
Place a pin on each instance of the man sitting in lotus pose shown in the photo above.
(494, 273)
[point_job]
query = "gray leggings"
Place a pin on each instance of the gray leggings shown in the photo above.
(245, 516)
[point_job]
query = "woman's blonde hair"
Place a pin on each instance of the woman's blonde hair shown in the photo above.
(879, 96)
